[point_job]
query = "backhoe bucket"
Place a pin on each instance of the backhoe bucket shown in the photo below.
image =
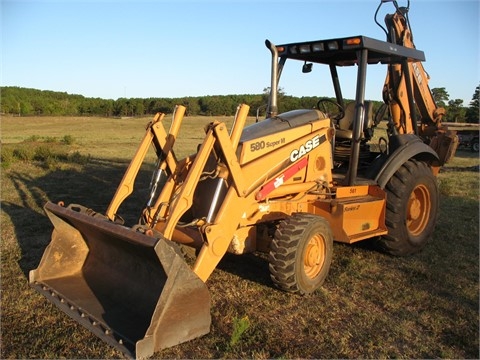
(133, 291)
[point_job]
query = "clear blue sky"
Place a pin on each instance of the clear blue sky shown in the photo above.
(112, 49)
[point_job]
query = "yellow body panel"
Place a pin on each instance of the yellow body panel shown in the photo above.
(253, 149)
(265, 179)
(357, 217)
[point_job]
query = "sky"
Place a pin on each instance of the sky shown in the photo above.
(112, 49)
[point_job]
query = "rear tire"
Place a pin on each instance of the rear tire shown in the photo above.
(412, 207)
(301, 253)
(474, 145)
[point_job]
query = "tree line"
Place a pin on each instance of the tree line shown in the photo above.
(27, 102)
(456, 111)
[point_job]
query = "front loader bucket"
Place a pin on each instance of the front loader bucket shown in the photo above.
(133, 291)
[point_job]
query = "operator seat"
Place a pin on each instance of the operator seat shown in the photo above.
(344, 127)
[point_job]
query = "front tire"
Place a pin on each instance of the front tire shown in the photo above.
(412, 208)
(301, 253)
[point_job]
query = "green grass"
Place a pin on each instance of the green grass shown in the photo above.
(102, 137)
(371, 306)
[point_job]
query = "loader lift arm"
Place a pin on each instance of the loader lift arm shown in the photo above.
(130, 286)
(163, 144)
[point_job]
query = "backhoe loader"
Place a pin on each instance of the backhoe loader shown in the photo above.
(288, 185)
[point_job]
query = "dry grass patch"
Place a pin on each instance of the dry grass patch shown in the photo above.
(371, 306)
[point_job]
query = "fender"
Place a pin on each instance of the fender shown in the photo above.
(404, 148)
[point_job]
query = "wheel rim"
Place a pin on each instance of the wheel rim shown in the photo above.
(314, 256)
(418, 210)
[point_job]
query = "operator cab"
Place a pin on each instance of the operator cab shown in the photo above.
(354, 121)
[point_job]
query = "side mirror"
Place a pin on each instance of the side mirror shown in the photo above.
(306, 68)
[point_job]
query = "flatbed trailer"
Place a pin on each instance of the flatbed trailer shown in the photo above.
(468, 135)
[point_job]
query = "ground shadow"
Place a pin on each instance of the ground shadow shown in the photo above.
(448, 253)
(93, 186)
(252, 267)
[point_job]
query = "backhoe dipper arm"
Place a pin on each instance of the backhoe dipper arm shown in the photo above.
(401, 78)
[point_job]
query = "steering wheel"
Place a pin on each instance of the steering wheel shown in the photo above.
(337, 114)
(380, 114)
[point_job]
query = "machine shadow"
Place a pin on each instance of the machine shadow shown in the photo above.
(93, 187)
(252, 267)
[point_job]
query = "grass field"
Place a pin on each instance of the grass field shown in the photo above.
(371, 306)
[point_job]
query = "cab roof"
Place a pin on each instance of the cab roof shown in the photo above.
(343, 51)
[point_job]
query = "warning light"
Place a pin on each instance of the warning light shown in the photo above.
(353, 41)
